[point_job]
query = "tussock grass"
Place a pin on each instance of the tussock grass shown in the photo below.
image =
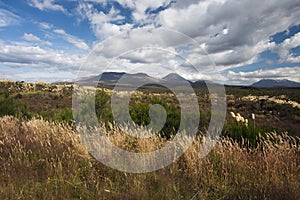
(43, 160)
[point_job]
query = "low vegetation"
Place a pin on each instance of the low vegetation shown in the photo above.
(45, 160)
(42, 157)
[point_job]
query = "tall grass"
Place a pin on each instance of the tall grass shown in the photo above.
(43, 160)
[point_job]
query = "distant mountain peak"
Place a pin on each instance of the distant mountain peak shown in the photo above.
(275, 83)
(110, 79)
(173, 77)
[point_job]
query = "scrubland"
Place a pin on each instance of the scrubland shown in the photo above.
(42, 155)
(46, 160)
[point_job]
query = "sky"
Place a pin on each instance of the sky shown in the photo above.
(227, 41)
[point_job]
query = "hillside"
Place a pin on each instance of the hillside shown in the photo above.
(267, 83)
(256, 158)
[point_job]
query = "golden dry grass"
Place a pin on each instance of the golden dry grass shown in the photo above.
(42, 160)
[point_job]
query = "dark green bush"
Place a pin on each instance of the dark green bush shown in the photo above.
(66, 115)
(8, 106)
(102, 107)
(140, 115)
(249, 135)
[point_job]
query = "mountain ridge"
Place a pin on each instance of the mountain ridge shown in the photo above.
(271, 83)
(109, 79)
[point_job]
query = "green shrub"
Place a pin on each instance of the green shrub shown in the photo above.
(8, 106)
(102, 107)
(66, 115)
(140, 115)
(249, 135)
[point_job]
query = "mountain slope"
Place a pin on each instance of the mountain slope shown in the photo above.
(109, 79)
(275, 83)
(173, 77)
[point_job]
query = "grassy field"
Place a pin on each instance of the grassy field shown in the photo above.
(42, 160)
(42, 157)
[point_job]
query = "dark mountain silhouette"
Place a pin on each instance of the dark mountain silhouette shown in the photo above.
(268, 83)
(109, 79)
(173, 77)
(175, 80)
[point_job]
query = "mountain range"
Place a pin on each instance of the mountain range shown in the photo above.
(109, 79)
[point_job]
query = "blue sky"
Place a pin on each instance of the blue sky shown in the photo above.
(48, 40)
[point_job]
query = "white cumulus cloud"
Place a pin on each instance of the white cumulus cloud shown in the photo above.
(284, 49)
(291, 73)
